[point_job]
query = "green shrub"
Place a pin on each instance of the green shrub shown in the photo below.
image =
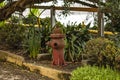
(12, 35)
(101, 51)
(115, 38)
(94, 73)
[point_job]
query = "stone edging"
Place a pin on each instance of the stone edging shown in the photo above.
(49, 72)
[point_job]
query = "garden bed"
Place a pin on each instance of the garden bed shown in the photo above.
(70, 66)
(43, 67)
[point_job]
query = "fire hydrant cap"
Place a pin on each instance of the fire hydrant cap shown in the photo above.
(57, 30)
(57, 33)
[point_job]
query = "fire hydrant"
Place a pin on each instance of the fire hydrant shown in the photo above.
(57, 44)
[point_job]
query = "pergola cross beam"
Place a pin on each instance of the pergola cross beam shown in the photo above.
(53, 8)
(62, 8)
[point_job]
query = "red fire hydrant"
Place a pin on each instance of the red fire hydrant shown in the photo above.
(57, 43)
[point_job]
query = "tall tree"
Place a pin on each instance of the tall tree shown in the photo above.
(20, 5)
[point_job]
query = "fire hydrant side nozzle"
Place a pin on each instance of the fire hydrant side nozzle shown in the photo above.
(57, 44)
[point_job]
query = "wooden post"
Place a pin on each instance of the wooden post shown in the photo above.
(52, 16)
(100, 23)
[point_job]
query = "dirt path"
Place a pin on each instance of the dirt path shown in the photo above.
(10, 71)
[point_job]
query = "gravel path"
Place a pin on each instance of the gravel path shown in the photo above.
(9, 71)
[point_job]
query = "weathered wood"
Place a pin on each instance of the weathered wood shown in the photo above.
(52, 17)
(78, 9)
(70, 8)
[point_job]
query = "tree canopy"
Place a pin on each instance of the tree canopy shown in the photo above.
(20, 5)
(113, 16)
(111, 8)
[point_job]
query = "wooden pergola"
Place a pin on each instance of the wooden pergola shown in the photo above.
(53, 8)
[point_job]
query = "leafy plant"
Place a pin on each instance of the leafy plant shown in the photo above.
(2, 23)
(37, 37)
(45, 31)
(32, 17)
(14, 19)
(113, 15)
(32, 41)
(2, 4)
(94, 73)
(12, 35)
(101, 52)
(76, 36)
(116, 39)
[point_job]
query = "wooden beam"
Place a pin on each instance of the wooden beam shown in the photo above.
(78, 9)
(39, 7)
(70, 8)
(52, 17)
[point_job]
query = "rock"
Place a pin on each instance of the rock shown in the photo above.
(44, 56)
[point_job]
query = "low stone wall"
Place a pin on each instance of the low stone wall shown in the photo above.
(46, 71)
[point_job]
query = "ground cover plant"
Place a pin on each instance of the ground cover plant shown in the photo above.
(95, 73)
